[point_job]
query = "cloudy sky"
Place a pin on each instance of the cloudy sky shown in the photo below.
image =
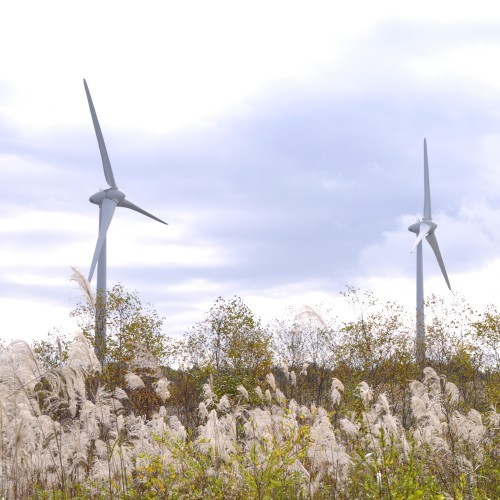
(281, 140)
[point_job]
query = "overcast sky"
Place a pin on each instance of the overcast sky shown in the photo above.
(282, 141)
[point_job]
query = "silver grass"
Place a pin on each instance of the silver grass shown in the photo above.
(304, 412)
(382, 406)
(223, 405)
(293, 378)
(268, 396)
(264, 425)
(20, 360)
(493, 418)
(157, 425)
(75, 388)
(280, 397)
(417, 388)
(81, 355)
(202, 410)
(117, 409)
(176, 428)
(99, 437)
(271, 381)
(143, 359)
(452, 393)
(336, 389)
(350, 428)
(293, 407)
(418, 406)
(468, 428)
(337, 384)
(432, 380)
(161, 389)
(208, 393)
(309, 313)
(134, 381)
(84, 285)
(335, 396)
(365, 392)
(243, 391)
(325, 454)
(475, 417)
(305, 366)
(258, 391)
(88, 419)
(138, 431)
(120, 394)
(217, 437)
(391, 426)
(464, 464)
(435, 406)
(104, 408)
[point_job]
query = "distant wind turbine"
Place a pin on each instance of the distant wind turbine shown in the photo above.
(425, 228)
(107, 200)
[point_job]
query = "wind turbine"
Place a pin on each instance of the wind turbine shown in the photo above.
(107, 200)
(425, 228)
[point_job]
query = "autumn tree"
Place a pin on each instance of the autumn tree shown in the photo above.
(53, 350)
(487, 329)
(230, 344)
(304, 342)
(376, 345)
(136, 346)
(129, 324)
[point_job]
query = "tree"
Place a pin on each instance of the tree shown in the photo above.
(230, 344)
(304, 343)
(136, 347)
(378, 346)
(487, 330)
(130, 326)
(52, 351)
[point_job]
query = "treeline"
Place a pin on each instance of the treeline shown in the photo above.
(232, 348)
(310, 406)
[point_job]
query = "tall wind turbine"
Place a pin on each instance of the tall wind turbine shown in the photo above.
(425, 228)
(107, 200)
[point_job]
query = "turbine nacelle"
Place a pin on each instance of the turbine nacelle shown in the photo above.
(415, 228)
(113, 194)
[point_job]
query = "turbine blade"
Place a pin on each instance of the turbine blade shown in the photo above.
(106, 211)
(108, 172)
(128, 204)
(424, 231)
(427, 189)
(431, 238)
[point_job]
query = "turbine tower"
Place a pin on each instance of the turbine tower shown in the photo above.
(425, 228)
(107, 200)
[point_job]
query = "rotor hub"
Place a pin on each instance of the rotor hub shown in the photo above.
(111, 194)
(415, 228)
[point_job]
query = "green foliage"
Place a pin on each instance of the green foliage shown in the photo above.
(390, 474)
(272, 469)
(128, 325)
(229, 344)
(52, 351)
(389, 431)
(487, 329)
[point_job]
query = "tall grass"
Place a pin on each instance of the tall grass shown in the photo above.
(65, 434)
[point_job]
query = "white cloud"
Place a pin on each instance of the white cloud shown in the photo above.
(465, 64)
(317, 81)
